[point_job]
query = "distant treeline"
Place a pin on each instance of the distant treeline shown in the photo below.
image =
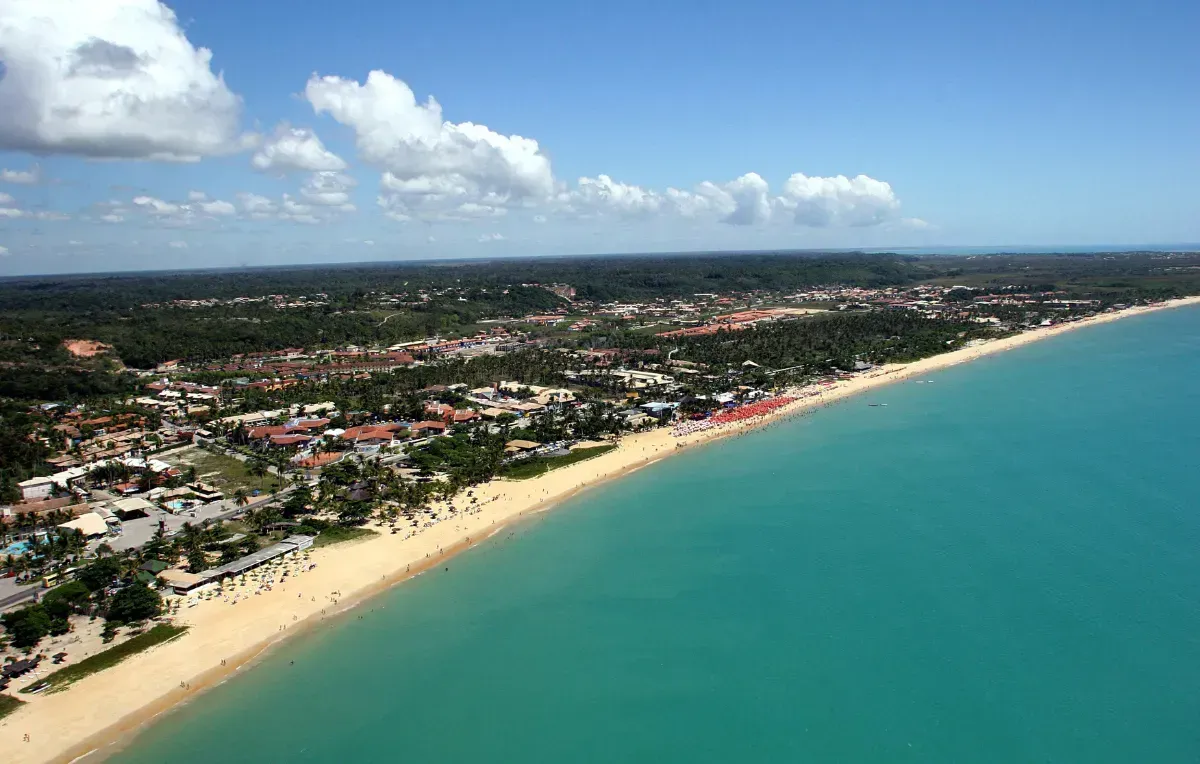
(37, 313)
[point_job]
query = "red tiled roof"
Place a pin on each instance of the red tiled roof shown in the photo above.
(267, 432)
(320, 460)
(289, 440)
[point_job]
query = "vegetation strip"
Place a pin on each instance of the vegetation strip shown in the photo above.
(8, 704)
(64, 677)
(540, 465)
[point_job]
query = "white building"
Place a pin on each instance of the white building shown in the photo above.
(36, 488)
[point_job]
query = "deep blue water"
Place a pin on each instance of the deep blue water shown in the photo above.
(1002, 565)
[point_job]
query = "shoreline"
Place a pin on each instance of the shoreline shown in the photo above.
(101, 713)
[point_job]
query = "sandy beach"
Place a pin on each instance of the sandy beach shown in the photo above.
(105, 708)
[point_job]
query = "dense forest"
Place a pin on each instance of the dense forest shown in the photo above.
(355, 304)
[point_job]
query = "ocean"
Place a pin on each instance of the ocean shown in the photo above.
(1001, 565)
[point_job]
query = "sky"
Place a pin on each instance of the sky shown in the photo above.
(141, 135)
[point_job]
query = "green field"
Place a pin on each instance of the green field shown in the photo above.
(540, 465)
(231, 472)
(338, 534)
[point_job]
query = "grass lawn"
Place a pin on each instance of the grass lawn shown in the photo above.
(337, 534)
(540, 465)
(8, 704)
(233, 474)
(61, 679)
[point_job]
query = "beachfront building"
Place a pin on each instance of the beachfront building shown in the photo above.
(181, 582)
(243, 565)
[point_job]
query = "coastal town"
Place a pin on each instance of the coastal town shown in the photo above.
(208, 486)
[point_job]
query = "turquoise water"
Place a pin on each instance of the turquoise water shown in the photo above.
(1001, 566)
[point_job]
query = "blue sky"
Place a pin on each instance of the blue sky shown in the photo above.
(686, 126)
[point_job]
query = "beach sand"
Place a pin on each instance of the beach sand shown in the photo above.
(104, 709)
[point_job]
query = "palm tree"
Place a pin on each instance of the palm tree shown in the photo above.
(257, 468)
(240, 497)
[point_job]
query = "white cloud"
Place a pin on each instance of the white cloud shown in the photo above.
(13, 213)
(157, 206)
(22, 177)
(837, 201)
(6, 198)
(111, 79)
(3, 251)
(330, 189)
(75, 242)
(861, 201)
(177, 244)
(217, 207)
(197, 196)
(539, 218)
(257, 207)
(492, 237)
(112, 217)
(432, 167)
(605, 193)
(295, 148)
(183, 213)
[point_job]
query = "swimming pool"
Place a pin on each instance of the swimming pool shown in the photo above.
(16, 548)
(176, 504)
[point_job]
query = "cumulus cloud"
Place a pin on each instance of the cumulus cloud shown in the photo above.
(330, 189)
(295, 148)
(859, 201)
(432, 166)
(22, 177)
(112, 217)
(491, 237)
(217, 207)
(110, 79)
(257, 207)
(175, 213)
(177, 244)
(747, 200)
(10, 211)
(3, 251)
(288, 209)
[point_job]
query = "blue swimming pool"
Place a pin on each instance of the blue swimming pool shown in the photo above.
(16, 548)
(176, 504)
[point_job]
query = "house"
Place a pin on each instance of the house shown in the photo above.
(429, 428)
(182, 582)
(36, 488)
(520, 446)
(90, 525)
(133, 507)
(465, 415)
(290, 441)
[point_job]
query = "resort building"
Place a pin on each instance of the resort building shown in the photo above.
(289, 545)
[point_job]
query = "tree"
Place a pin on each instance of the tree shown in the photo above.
(197, 560)
(100, 573)
(240, 497)
(135, 602)
(27, 626)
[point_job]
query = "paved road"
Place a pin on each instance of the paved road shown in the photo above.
(135, 533)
